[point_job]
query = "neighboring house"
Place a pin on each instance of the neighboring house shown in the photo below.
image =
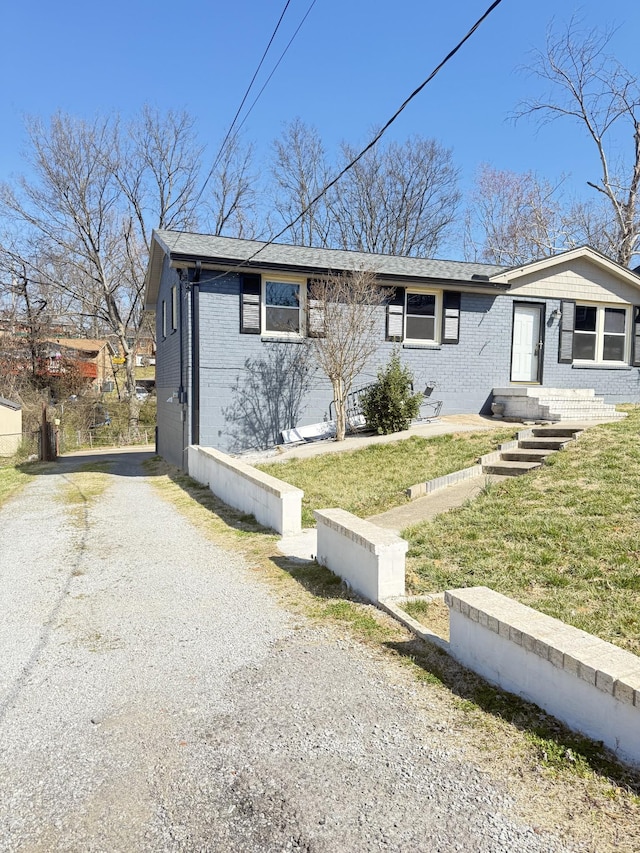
(92, 357)
(10, 427)
(233, 366)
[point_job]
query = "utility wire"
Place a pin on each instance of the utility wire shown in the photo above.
(373, 142)
(242, 103)
(275, 67)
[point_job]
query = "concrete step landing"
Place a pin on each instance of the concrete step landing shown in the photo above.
(529, 450)
(537, 403)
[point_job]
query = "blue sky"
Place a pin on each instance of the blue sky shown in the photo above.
(351, 65)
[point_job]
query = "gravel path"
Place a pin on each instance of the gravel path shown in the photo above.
(155, 697)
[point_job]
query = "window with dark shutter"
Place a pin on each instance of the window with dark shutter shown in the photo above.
(315, 314)
(250, 305)
(635, 332)
(567, 325)
(395, 315)
(450, 317)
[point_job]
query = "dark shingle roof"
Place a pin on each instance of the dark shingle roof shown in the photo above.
(232, 253)
(212, 248)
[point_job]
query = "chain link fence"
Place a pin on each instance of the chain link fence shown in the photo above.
(70, 440)
(19, 446)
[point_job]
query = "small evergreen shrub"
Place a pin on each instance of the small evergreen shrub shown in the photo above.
(390, 404)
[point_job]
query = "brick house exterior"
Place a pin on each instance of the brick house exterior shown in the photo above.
(234, 367)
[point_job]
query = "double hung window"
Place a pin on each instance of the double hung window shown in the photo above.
(600, 334)
(282, 307)
(422, 317)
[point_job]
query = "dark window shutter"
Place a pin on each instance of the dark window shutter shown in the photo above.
(635, 339)
(450, 317)
(315, 314)
(395, 315)
(250, 305)
(567, 324)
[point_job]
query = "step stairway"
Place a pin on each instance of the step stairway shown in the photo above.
(529, 451)
(539, 404)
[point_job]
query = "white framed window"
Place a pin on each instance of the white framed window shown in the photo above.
(601, 334)
(283, 306)
(164, 319)
(174, 308)
(422, 316)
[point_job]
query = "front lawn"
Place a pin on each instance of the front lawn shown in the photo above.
(564, 539)
(374, 479)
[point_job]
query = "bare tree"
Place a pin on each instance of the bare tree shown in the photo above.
(399, 200)
(300, 172)
(25, 324)
(512, 218)
(85, 218)
(232, 200)
(591, 88)
(344, 327)
(157, 166)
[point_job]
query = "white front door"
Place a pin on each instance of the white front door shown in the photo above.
(527, 345)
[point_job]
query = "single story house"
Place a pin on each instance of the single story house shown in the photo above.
(234, 364)
(91, 356)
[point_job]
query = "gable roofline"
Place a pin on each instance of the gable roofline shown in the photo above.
(235, 254)
(88, 345)
(511, 275)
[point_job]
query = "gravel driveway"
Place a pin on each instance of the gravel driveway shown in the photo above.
(155, 697)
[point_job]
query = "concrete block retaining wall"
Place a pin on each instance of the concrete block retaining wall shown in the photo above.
(589, 684)
(430, 486)
(369, 558)
(274, 503)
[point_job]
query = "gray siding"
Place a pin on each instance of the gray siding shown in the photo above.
(252, 387)
(615, 384)
(172, 432)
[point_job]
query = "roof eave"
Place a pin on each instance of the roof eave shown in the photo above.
(181, 260)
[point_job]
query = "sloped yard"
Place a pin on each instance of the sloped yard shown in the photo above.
(565, 539)
(374, 479)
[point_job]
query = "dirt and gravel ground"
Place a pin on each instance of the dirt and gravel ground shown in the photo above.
(154, 696)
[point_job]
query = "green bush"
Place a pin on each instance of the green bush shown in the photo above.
(390, 404)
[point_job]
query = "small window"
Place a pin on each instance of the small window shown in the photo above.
(613, 347)
(584, 334)
(164, 319)
(282, 307)
(421, 317)
(174, 308)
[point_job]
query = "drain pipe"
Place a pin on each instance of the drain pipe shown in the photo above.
(195, 354)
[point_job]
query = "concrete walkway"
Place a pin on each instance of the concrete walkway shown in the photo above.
(304, 545)
(428, 506)
(425, 508)
(439, 426)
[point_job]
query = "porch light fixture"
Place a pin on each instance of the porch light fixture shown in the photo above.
(556, 314)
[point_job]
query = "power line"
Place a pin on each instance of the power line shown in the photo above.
(275, 67)
(373, 142)
(242, 102)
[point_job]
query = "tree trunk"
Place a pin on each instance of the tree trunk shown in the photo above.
(339, 398)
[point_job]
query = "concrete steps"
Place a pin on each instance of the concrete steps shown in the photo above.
(537, 403)
(510, 469)
(526, 455)
(528, 451)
